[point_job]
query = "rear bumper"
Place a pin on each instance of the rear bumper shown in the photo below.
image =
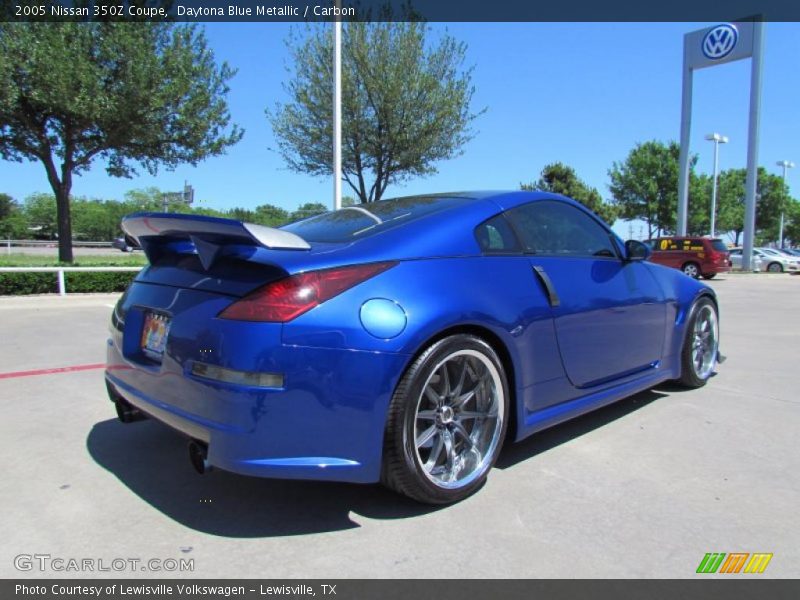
(326, 423)
(715, 268)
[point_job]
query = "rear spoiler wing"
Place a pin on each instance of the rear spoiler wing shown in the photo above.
(155, 231)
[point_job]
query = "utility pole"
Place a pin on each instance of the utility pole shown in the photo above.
(786, 164)
(337, 110)
(717, 139)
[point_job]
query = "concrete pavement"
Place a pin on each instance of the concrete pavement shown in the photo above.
(643, 488)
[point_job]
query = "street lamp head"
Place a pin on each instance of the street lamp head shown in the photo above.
(717, 137)
(785, 163)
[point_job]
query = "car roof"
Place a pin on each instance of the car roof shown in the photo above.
(505, 199)
(432, 235)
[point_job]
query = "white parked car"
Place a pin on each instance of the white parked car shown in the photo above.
(776, 261)
(736, 260)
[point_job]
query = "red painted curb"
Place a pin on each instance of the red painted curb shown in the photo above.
(33, 373)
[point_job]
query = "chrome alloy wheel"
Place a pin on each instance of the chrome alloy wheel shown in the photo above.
(705, 341)
(459, 419)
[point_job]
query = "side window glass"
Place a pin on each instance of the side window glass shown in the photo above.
(557, 228)
(496, 236)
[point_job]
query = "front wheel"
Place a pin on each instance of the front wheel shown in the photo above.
(701, 344)
(447, 421)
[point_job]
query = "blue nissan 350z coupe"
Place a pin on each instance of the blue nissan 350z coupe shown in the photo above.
(402, 341)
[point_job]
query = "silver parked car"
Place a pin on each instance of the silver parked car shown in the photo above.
(776, 261)
(736, 260)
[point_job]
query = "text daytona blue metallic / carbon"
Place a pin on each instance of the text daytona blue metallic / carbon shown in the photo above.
(48, 562)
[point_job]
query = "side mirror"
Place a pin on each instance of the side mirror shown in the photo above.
(636, 250)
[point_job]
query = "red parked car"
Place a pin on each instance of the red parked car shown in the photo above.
(695, 256)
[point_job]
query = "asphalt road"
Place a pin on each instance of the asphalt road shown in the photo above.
(643, 488)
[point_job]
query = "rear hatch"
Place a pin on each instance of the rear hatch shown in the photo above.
(720, 255)
(208, 253)
(197, 263)
(167, 321)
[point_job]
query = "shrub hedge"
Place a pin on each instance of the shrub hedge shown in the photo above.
(18, 284)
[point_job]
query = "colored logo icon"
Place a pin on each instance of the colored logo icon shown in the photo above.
(720, 41)
(735, 562)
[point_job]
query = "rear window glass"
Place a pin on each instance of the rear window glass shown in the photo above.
(719, 245)
(496, 235)
(354, 222)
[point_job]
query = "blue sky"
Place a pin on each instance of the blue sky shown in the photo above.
(582, 94)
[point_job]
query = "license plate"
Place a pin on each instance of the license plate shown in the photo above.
(154, 335)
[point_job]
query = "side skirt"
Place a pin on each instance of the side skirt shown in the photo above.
(553, 415)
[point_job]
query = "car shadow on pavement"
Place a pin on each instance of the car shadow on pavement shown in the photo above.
(547, 439)
(152, 461)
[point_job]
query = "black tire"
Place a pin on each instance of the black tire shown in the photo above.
(691, 269)
(403, 466)
(691, 376)
(709, 275)
(775, 267)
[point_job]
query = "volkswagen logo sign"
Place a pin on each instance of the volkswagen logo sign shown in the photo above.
(720, 41)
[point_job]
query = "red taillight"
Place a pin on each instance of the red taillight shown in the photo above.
(719, 256)
(285, 299)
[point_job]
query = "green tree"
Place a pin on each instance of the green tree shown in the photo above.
(141, 200)
(152, 199)
(771, 196)
(309, 209)
(92, 220)
(147, 94)
(206, 211)
(7, 206)
(245, 215)
(40, 214)
(405, 105)
(699, 217)
(12, 220)
(791, 229)
(270, 215)
(562, 179)
(645, 185)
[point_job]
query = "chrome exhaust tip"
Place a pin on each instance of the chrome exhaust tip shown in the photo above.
(198, 456)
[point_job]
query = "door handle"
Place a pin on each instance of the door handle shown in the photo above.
(544, 278)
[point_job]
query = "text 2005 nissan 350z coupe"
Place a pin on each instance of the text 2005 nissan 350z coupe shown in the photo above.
(402, 341)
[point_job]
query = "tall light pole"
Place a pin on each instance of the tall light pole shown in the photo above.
(337, 111)
(717, 139)
(786, 164)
